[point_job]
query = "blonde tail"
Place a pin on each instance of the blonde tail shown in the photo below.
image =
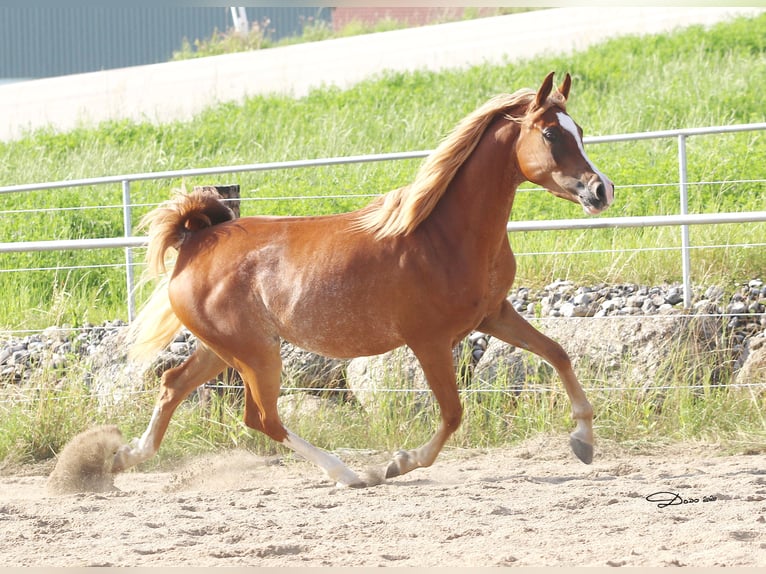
(169, 225)
(155, 326)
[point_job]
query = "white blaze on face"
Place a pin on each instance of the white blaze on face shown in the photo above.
(568, 124)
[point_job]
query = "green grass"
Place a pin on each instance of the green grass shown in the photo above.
(696, 77)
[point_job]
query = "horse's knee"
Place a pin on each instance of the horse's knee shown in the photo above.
(558, 357)
(452, 418)
(176, 383)
(170, 394)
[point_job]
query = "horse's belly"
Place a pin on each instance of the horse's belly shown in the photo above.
(341, 337)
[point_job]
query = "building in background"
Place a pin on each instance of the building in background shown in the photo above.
(44, 42)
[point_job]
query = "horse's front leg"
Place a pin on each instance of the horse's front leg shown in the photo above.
(439, 369)
(507, 325)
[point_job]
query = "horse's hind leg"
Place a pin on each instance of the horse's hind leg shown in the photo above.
(510, 327)
(439, 369)
(177, 384)
(261, 374)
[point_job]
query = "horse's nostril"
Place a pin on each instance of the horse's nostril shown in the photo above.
(601, 192)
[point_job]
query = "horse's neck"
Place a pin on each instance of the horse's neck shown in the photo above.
(479, 199)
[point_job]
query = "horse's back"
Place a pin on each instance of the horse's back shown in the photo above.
(310, 280)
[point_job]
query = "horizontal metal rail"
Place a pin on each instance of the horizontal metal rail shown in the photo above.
(180, 173)
(639, 221)
(71, 244)
(685, 132)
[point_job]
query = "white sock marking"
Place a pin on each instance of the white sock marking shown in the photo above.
(331, 464)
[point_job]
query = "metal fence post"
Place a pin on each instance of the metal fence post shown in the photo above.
(127, 222)
(685, 243)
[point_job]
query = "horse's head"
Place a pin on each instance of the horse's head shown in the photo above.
(551, 154)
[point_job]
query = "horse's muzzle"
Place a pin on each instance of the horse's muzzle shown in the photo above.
(596, 195)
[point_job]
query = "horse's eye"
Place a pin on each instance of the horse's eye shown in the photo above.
(550, 134)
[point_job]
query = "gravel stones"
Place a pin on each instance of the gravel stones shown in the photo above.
(753, 362)
(562, 299)
(56, 348)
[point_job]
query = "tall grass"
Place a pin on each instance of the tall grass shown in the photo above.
(675, 407)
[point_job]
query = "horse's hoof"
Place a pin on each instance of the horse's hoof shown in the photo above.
(582, 450)
(393, 469)
(399, 465)
(119, 462)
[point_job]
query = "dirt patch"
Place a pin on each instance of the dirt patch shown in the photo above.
(85, 463)
(533, 504)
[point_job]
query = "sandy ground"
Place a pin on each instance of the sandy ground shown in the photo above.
(533, 504)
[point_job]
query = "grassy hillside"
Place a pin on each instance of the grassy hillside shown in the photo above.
(696, 77)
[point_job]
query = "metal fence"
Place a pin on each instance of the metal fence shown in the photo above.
(129, 241)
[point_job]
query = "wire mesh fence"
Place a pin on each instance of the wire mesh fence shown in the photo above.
(122, 251)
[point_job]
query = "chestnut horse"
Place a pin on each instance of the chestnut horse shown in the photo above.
(423, 266)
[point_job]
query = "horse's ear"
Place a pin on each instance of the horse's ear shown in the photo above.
(544, 91)
(565, 85)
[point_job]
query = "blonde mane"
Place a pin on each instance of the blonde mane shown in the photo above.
(400, 211)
